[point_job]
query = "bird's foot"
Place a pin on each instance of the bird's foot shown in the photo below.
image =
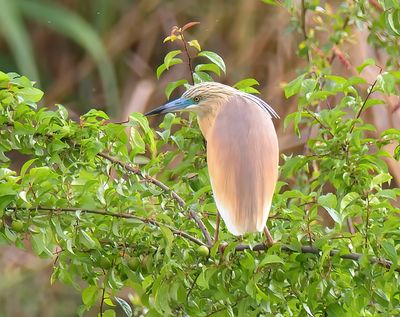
(269, 241)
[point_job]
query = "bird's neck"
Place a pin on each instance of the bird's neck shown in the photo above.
(206, 116)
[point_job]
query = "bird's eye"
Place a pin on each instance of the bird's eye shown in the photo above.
(196, 99)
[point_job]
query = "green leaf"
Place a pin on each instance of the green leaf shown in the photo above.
(4, 77)
(348, 199)
(336, 310)
(271, 259)
(173, 85)
(308, 87)
(30, 94)
(366, 63)
(169, 237)
(195, 44)
(201, 77)
(334, 215)
(387, 83)
(328, 200)
(108, 313)
(294, 86)
(336, 79)
(245, 83)
(169, 57)
(380, 179)
(214, 58)
(90, 295)
(307, 309)
(389, 4)
(202, 280)
(125, 306)
(39, 245)
(87, 240)
(272, 2)
(163, 67)
(372, 102)
(390, 251)
(392, 20)
(208, 67)
(250, 90)
(396, 154)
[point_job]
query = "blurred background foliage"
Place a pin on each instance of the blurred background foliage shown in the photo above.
(104, 53)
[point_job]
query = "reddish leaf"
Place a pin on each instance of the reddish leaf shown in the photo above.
(189, 25)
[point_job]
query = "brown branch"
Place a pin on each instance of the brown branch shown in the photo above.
(165, 188)
(188, 57)
(303, 19)
(118, 215)
(308, 249)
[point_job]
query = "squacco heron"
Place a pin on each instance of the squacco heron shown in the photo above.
(242, 151)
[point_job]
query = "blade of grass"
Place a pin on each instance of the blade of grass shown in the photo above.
(73, 26)
(15, 33)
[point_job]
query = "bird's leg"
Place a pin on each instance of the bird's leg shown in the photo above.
(217, 222)
(270, 241)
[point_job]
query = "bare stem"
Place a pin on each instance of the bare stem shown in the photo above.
(188, 57)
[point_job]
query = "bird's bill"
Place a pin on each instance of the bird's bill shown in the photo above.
(173, 106)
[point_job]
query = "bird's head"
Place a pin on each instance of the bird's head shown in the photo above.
(203, 97)
(197, 97)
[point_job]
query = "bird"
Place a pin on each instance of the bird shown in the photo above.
(242, 151)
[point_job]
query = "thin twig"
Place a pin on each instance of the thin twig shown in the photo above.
(193, 284)
(102, 301)
(365, 102)
(303, 19)
(119, 215)
(165, 188)
(188, 57)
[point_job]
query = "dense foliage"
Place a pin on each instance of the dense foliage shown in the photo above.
(120, 206)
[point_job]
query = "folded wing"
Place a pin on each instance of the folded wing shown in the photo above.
(242, 155)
